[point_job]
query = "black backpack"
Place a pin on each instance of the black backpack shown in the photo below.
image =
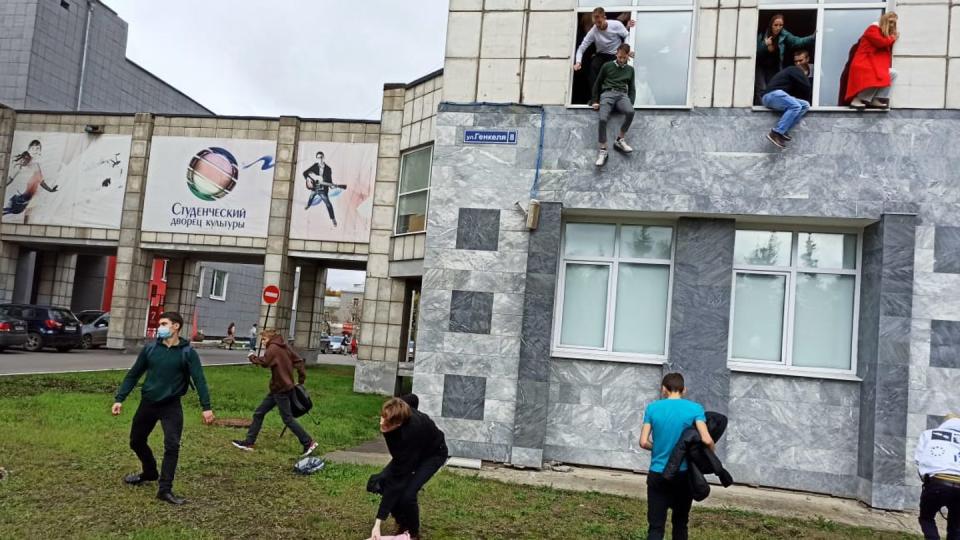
(300, 402)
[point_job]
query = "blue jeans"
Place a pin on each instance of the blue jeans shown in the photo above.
(793, 109)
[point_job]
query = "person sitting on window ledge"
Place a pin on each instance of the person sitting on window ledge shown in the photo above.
(615, 89)
(871, 77)
(772, 44)
(789, 91)
(605, 36)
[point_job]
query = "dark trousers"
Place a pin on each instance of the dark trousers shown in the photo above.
(407, 510)
(324, 197)
(611, 101)
(665, 494)
(170, 416)
(282, 403)
(935, 496)
(596, 63)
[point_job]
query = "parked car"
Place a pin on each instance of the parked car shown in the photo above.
(13, 332)
(94, 330)
(47, 326)
(332, 345)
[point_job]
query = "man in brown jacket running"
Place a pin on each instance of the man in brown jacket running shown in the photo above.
(282, 361)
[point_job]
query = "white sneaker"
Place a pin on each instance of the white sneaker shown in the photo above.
(622, 146)
(309, 448)
(602, 158)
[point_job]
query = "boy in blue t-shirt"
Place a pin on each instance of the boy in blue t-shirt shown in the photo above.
(663, 423)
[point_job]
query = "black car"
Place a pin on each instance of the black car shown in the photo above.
(47, 326)
(13, 332)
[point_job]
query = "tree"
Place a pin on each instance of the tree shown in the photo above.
(766, 255)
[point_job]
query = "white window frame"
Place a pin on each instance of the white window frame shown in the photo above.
(634, 10)
(203, 274)
(606, 352)
(819, 6)
(400, 194)
(163, 275)
(785, 365)
(213, 284)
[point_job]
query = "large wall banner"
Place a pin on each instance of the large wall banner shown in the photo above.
(66, 179)
(333, 192)
(209, 186)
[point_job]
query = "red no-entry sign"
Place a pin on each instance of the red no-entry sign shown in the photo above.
(271, 294)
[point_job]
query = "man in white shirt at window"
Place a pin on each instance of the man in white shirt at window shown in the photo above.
(605, 36)
(938, 462)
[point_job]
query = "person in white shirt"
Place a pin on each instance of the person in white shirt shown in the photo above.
(938, 462)
(605, 36)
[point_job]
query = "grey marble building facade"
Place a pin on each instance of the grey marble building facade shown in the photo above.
(487, 368)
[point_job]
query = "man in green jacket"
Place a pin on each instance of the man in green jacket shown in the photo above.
(615, 89)
(170, 363)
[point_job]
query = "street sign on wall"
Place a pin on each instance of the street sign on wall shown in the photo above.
(482, 136)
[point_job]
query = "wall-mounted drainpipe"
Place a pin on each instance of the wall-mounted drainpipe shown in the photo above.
(83, 59)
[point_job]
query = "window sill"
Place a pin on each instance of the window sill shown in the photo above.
(411, 233)
(641, 108)
(219, 298)
(607, 357)
(744, 367)
(760, 108)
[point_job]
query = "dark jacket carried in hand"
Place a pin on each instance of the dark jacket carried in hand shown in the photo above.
(700, 459)
(410, 444)
(281, 360)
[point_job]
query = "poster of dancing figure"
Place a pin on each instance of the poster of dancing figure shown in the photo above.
(333, 193)
(66, 179)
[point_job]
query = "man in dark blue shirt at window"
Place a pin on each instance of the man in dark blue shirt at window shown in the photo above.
(789, 91)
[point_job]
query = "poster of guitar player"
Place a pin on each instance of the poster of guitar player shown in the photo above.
(333, 192)
(66, 179)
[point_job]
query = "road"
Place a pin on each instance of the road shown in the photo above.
(17, 362)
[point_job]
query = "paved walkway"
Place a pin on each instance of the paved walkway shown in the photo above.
(773, 502)
(18, 362)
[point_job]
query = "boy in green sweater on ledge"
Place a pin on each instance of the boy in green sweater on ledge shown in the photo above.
(170, 364)
(615, 89)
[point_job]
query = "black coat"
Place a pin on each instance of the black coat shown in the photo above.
(700, 459)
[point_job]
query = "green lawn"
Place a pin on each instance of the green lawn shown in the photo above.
(66, 455)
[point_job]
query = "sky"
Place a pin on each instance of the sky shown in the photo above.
(307, 58)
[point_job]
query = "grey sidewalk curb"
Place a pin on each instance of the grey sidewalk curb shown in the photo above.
(772, 502)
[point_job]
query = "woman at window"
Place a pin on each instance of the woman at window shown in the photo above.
(772, 44)
(871, 77)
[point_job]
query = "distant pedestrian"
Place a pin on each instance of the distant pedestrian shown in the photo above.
(663, 423)
(170, 363)
(231, 336)
(282, 361)
(253, 337)
(418, 450)
(938, 462)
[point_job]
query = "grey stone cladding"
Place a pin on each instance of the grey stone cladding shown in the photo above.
(478, 228)
(890, 175)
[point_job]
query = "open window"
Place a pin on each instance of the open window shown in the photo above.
(661, 42)
(827, 29)
(218, 285)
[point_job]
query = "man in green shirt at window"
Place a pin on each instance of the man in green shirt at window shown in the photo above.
(170, 364)
(615, 89)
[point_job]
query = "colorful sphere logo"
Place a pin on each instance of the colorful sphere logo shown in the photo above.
(212, 173)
